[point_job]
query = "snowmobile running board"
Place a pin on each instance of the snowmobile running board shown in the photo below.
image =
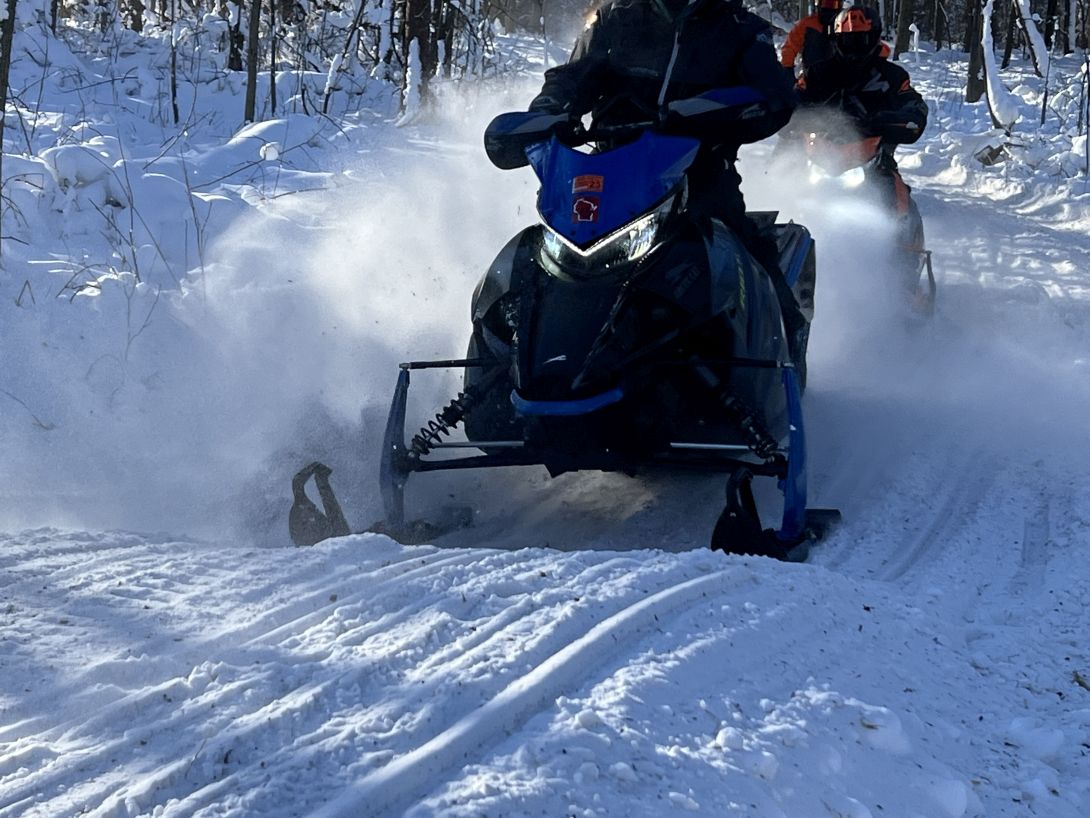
(738, 530)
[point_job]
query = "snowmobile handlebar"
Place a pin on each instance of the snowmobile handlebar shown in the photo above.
(601, 133)
(509, 135)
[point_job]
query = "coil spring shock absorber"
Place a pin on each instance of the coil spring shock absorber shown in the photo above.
(762, 443)
(758, 438)
(443, 423)
(433, 432)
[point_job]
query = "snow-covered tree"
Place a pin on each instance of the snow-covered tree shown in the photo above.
(1001, 103)
(1038, 51)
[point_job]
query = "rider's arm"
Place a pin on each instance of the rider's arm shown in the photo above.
(574, 87)
(905, 117)
(758, 102)
(757, 70)
(793, 45)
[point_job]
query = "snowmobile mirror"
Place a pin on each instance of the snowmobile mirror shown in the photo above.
(509, 135)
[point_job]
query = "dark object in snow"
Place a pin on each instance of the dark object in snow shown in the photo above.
(627, 333)
(306, 524)
(991, 155)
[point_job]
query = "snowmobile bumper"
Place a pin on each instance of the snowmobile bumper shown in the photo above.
(800, 526)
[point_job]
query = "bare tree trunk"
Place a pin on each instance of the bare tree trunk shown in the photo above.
(234, 56)
(1052, 12)
(7, 38)
(418, 27)
(391, 48)
(938, 24)
(1065, 26)
(971, 13)
(976, 84)
(544, 33)
(905, 18)
(1086, 97)
(1008, 46)
(173, 62)
(273, 40)
(251, 60)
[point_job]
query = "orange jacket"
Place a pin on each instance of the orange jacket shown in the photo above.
(807, 39)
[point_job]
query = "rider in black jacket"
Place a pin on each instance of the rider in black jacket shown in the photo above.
(640, 55)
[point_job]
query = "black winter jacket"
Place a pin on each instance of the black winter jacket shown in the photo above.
(619, 66)
(876, 94)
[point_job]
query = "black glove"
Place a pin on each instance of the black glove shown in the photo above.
(569, 130)
(508, 135)
(545, 104)
(892, 126)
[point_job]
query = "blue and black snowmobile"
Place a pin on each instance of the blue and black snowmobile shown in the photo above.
(624, 333)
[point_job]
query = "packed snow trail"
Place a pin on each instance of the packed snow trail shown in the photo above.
(533, 682)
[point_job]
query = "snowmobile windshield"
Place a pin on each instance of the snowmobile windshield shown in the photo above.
(586, 196)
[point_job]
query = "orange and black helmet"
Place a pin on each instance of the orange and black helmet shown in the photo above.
(857, 32)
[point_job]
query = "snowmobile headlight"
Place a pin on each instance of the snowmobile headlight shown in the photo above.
(851, 178)
(623, 246)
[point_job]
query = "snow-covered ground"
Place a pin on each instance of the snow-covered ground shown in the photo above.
(189, 319)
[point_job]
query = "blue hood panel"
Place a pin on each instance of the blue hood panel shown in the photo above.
(585, 196)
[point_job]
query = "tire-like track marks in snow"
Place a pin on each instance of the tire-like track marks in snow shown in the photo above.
(286, 680)
(966, 486)
(402, 781)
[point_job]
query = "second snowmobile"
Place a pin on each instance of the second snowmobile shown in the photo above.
(841, 157)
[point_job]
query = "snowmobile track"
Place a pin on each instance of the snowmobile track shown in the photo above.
(389, 789)
(271, 629)
(1034, 555)
(971, 482)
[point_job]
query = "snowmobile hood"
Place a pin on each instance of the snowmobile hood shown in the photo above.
(585, 196)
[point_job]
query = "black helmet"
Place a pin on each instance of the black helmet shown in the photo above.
(857, 33)
(826, 10)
